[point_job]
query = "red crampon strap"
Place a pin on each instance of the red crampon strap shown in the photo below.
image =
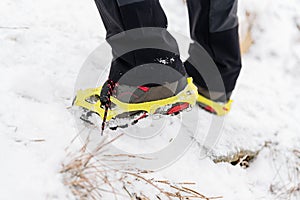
(107, 105)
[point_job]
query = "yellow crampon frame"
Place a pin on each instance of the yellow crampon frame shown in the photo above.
(214, 107)
(188, 95)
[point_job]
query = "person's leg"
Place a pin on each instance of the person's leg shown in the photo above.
(214, 25)
(149, 48)
(123, 15)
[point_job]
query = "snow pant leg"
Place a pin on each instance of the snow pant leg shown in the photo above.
(123, 15)
(214, 25)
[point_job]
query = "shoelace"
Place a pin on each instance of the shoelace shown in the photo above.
(106, 92)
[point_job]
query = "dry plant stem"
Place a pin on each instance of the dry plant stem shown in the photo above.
(195, 192)
(90, 179)
(192, 193)
(129, 156)
(149, 182)
(247, 41)
(126, 190)
(189, 191)
(167, 182)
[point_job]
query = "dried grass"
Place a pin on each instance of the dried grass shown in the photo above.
(246, 35)
(90, 179)
(286, 183)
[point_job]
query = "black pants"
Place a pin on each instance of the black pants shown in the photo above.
(213, 24)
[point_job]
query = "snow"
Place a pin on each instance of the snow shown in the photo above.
(43, 45)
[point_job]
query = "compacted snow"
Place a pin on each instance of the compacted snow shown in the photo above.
(43, 45)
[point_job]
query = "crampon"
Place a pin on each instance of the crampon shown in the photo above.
(122, 115)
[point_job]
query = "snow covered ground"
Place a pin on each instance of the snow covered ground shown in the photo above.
(42, 47)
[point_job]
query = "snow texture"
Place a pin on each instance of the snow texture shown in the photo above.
(42, 47)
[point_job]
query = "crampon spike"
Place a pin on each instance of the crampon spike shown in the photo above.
(104, 120)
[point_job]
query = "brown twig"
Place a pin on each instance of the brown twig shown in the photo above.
(88, 178)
